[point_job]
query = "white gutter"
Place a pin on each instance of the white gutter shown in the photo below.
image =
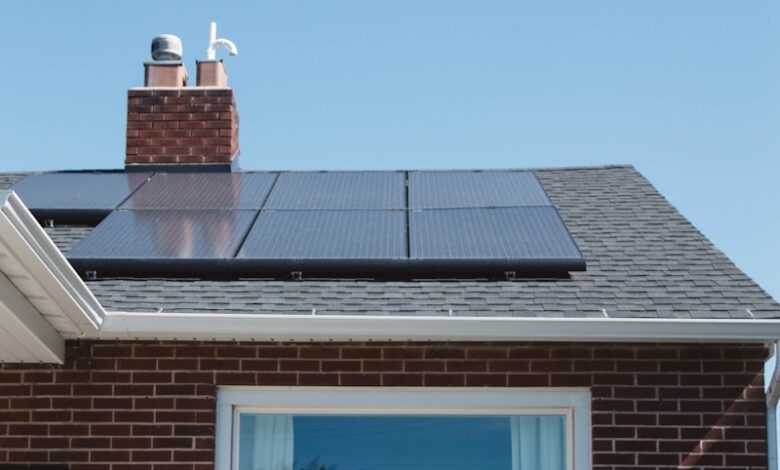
(262, 327)
(40, 271)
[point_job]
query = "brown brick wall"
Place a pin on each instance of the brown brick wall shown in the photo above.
(190, 125)
(143, 406)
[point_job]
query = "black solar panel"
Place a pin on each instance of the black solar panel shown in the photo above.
(529, 233)
(338, 190)
(464, 189)
(163, 234)
(203, 191)
(327, 235)
(76, 197)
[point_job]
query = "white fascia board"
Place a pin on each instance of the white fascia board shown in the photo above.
(25, 336)
(31, 260)
(261, 327)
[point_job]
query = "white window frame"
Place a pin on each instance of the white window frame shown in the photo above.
(573, 403)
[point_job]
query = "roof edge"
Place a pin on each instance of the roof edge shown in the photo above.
(280, 327)
(41, 272)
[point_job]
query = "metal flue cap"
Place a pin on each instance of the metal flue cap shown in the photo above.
(167, 47)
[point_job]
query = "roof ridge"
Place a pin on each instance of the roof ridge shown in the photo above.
(351, 170)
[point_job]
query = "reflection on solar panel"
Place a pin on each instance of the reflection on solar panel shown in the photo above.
(463, 189)
(534, 233)
(203, 191)
(76, 197)
(327, 235)
(338, 190)
(151, 234)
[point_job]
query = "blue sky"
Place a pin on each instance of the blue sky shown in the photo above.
(688, 92)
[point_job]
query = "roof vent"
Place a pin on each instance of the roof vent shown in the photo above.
(214, 43)
(167, 47)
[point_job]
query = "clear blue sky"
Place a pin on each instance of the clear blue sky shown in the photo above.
(688, 92)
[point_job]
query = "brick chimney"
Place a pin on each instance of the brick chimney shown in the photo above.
(175, 127)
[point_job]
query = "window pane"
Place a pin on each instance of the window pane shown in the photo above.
(300, 442)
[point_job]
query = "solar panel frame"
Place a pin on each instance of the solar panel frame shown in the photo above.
(77, 197)
(230, 191)
(472, 189)
(345, 190)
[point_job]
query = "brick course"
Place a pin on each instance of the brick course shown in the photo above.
(149, 405)
(188, 126)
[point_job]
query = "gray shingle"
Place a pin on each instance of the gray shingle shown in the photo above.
(8, 179)
(66, 237)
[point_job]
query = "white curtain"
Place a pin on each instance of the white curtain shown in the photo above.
(538, 442)
(273, 443)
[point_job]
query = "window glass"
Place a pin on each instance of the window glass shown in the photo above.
(395, 442)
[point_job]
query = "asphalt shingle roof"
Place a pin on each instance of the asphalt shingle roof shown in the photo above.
(645, 260)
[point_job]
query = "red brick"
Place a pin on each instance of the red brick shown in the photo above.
(91, 389)
(272, 378)
(320, 352)
(425, 366)
(133, 389)
(337, 366)
(317, 379)
(444, 353)
(361, 352)
(110, 429)
(15, 390)
(152, 377)
(175, 389)
(91, 443)
(172, 442)
(349, 379)
(31, 402)
(152, 430)
(402, 380)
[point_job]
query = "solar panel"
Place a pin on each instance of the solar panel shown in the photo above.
(464, 189)
(338, 190)
(203, 191)
(76, 197)
(327, 235)
(165, 234)
(530, 233)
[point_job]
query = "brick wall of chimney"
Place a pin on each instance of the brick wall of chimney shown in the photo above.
(192, 126)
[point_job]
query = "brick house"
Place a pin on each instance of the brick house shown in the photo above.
(134, 336)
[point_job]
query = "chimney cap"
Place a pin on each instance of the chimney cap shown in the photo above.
(167, 47)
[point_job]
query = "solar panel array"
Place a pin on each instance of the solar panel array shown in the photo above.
(320, 223)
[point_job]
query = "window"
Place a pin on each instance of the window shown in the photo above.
(302, 428)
